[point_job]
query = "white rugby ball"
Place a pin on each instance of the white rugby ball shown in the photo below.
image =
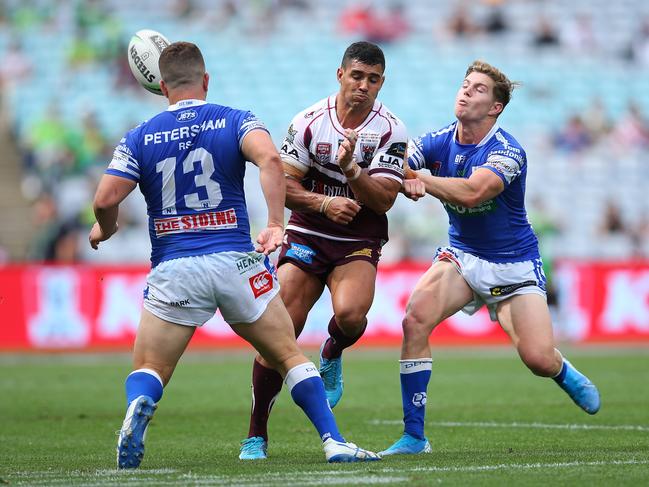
(144, 51)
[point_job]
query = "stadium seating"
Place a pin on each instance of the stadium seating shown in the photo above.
(280, 70)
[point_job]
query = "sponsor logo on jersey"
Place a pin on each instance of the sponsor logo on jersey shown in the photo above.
(323, 152)
(484, 207)
(390, 162)
(397, 149)
(290, 136)
(505, 290)
(300, 252)
(261, 283)
(245, 263)
(459, 159)
(211, 220)
(329, 190)
(366, 252)
(179, 304)
(435, 168)
(186, 115)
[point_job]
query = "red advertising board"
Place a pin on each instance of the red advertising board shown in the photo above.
(95, 308)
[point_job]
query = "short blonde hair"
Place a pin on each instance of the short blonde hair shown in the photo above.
(503, 87)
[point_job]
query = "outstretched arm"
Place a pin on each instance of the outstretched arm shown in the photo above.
(258, 148)
(481, 186)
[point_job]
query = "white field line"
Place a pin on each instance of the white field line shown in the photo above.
(289, 479)
(490, 424)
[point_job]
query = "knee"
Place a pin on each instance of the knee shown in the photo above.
(540, 362)
(351, 320)
(415, 328)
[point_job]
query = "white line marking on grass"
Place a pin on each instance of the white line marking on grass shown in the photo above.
(520, 466)
(490, 424)
(289, 479)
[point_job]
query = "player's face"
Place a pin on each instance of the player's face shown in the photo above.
(360, 84)
(475, 99)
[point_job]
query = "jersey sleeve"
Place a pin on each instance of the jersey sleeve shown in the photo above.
(125, 162)
(294, 152)
(506, 163)
(249, 122)
(390, 158)
(416, 158)
(424, 152)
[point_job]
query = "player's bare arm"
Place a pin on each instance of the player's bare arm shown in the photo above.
(258, 148)
(110, 193)
(481, 186)
(338, 209)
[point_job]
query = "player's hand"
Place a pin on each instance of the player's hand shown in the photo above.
(346, 149)
(342, 210)
(269, 239)
(413, 188)
(98, 235)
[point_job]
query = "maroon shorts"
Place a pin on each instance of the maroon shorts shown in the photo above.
(319, 256)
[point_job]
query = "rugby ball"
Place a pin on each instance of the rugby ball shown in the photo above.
(144, 51)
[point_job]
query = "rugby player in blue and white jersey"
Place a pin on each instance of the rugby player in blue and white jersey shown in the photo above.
(189, 162)
(477, 170)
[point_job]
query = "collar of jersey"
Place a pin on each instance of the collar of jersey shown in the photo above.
(331, 107)
(185, 104)
(484, 140)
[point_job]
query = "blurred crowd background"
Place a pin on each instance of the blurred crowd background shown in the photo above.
(67, 97)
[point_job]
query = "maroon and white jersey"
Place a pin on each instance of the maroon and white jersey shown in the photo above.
(311, 146)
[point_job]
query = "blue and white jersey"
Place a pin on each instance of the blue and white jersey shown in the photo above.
(498, 229)
(188, 163)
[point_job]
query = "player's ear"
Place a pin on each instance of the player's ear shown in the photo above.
(164, 89)
(339, 74)
(496, 109)
(206, 81)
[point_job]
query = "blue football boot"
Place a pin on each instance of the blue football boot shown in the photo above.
(407, 445)
(580, 389)
(130, 445)
(331, 371)
(253, 448)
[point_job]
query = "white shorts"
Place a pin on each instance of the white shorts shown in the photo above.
(189, 290)
(492, 282)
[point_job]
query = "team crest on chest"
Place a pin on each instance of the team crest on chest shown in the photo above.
(368, 142)
(323, 152)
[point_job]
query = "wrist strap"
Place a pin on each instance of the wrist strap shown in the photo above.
(356, 175)
(325, 203)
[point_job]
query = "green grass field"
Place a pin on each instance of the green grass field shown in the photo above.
(489, 420)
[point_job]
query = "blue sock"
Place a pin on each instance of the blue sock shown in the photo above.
(559, 378)
(415, 374)
(143, 382)
(307, 390)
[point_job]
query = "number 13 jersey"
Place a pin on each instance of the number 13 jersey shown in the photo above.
(188, 163)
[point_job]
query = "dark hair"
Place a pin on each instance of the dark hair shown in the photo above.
(364, 52)
(181, 63)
